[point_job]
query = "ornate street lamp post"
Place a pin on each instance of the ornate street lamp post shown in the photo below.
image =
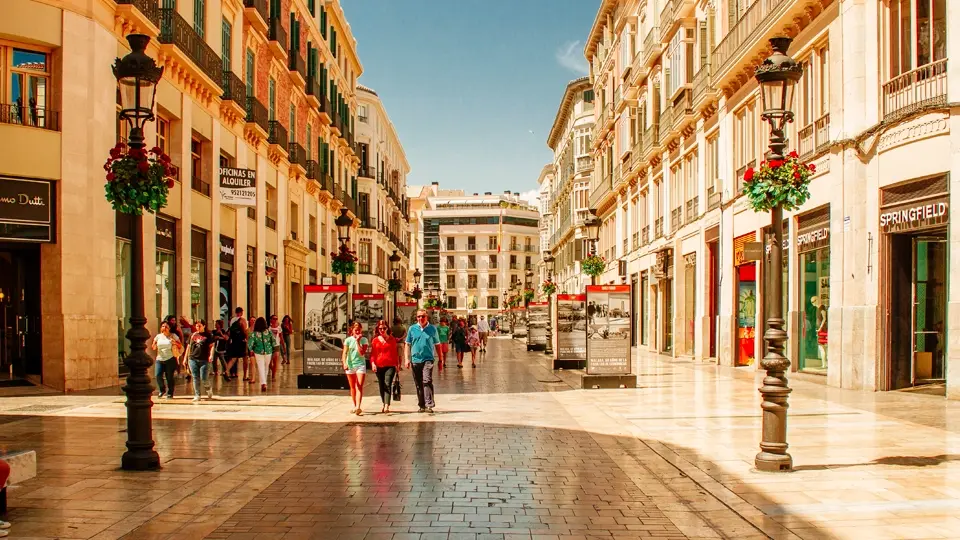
(395, 285)
(777, 76)
(549, 259)
(343, 223)
(137, 77)
(417, 291)
(592, 223)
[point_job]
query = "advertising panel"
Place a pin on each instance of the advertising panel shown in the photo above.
(537, 318)
(238, 187)
(571, 327)
(608, 329)
(367, 310)
(519, 315)
(324, 328)
(27, 210)
(407, 311)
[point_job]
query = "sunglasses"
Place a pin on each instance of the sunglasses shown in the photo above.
(421, 316)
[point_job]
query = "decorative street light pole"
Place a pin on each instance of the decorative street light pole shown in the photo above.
(343, 223)
(137, 77)
(592, 223)
(417, 291)
(549, 259)
(395, 285)
(777, 76)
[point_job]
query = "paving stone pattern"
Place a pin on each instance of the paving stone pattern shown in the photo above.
(430, 481)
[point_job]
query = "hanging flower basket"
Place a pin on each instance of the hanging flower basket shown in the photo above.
(513, 301)
(784, 183)
(433, 303)
(344, 262)
(527, 295)
(137, 180)
(394, 285)
(594, 265)
(417, 294)
(548, 287)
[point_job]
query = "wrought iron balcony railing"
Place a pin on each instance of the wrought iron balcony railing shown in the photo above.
(257, 113)
(32, 116)
(278, 33)
(313, 169)
(748, 29)
(692, 209)
(277, 134)
(174, 29)
(233, 88)
(260, 6)
(915, 89)
(713, 198)
(149, 8)
(298, 154)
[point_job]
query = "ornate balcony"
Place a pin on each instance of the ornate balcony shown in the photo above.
(692, 209)
(313, 170)
(278, 136)
(601, 191)
(682, 110)
(325, 108)
(234, 91)
(651, 47)
(176, 31)
(658, 228)
(298, 157)
(922, 87)
(367, 172)
(638, 72)
(314, 92)
(750, 28)
(703, 90)
(256, 14)
(257, 116)
(298, 68)
(650, 141)
(278, 39)
(713, 198)
(38, 117)
(814, 138)
(676, 218)
(146, 13)
(645, 235)
(636, 240)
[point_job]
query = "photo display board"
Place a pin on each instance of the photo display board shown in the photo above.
(571, 327)
(519, 322)
(367, 310)
(537, 319)
(608, 329)
(407, 311)
(324, 328)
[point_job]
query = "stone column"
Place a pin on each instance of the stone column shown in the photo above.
(182, 277)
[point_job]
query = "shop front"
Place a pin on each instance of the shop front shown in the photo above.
(746, 302)
(913, 221)
(689, 303)
(27, 212)
(663, 318)
(251, 280)
(813, 249)
(270, 264)
(644, 308)
(198, 275)
(227, 257)
(166, 268)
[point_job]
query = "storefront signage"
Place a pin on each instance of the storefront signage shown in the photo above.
(813, 239)
(324, 327)
(166, 234)
(739, 244)
(367, 310)
(270, 261)
(537, 318)
(915, 215)
(26, 210)
(238, 187)
(608, 329)
(251, 258)
(571, 327)
(227, 250)
(751, 251)
(198, 244)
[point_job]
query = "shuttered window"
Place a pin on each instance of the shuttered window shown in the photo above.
(226, 34)
(251, 83)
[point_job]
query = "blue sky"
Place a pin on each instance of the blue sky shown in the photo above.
(467, 81)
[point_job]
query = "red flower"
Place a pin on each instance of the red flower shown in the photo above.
(794, 154)
(111, 177)
(114, 153)
(775, 163)
(169, 183)
(812, 167)
(796, 174)
(143, 166)
(748, 175)
(156, 150)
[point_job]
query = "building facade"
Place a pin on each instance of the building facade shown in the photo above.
(866, 280)
(382, 204)
(476, 246)
(567, 203)
(266, 88)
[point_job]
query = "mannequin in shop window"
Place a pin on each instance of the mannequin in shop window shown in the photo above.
(821, 327)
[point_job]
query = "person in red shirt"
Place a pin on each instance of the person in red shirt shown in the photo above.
(385, 362)
(4, 475)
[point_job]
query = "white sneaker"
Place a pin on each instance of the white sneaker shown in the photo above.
(4, 525)
(209, 393)
(4, 533)
(196, 399)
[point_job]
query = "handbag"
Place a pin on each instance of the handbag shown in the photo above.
(396, 387)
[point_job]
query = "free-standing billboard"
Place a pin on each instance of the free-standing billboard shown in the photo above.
(571, 327)
(608, 329)
(537, 319)
(407, 311)
(324, 328)
(367, 310)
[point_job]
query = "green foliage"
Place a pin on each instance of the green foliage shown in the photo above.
(594, 265)
(344, 268)
(528, 295)
(548, 287)
(137, 180)
(394, 285)
(784, 183)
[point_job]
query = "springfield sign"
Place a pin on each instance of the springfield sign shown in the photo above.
(238, 187)
(913, 216)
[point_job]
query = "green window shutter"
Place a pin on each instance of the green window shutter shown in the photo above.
(323, 22)
(312, 6)
(251, 82)
(273, 99)
(333, 41)
(293, 123)
(226, 38)
(309, 142)
(199, 16)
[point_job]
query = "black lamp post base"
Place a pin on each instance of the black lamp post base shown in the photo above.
(144, 459)
(767, 462)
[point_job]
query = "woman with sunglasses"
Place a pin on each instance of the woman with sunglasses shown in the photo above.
(385, 362)
(354, 360)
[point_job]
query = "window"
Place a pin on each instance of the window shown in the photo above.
(493, 262)
(294, 220)
(528, 264)
(163, 135)
(197, 180)
(492, 302)
(917, 34)
(472, 262)
(250, 73)
(199, 16)
(492, 281)
(28, 90)
(312, 233)
(451, 262)
(514, 279)
(451, 281)
(292, 126)
(744, 139)
(690, 176)
(226, 39)
(272, 207)
(451, 302)
(362, 113)
(272, 99)
(513, 262)
(451, 243)
(472, 243)
(364, 256)
(472, 282)
(492, 242)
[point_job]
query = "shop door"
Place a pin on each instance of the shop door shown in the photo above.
(929, 309)
(634, 298)
(20, 340)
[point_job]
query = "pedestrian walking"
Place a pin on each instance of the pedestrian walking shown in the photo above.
(186, 330)
(473, 341)
(250, 364)
(384, 361)
(459, 340)
(354, 360)
(287, 326)
(221, 341)
(261, 343)
(237, 346)
(443, 332)
(201, 355)
(483, 327)
(423, 347)
(4, 476)
(278, 346)
(168, 347)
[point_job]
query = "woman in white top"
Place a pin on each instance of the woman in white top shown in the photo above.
(168, 348)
